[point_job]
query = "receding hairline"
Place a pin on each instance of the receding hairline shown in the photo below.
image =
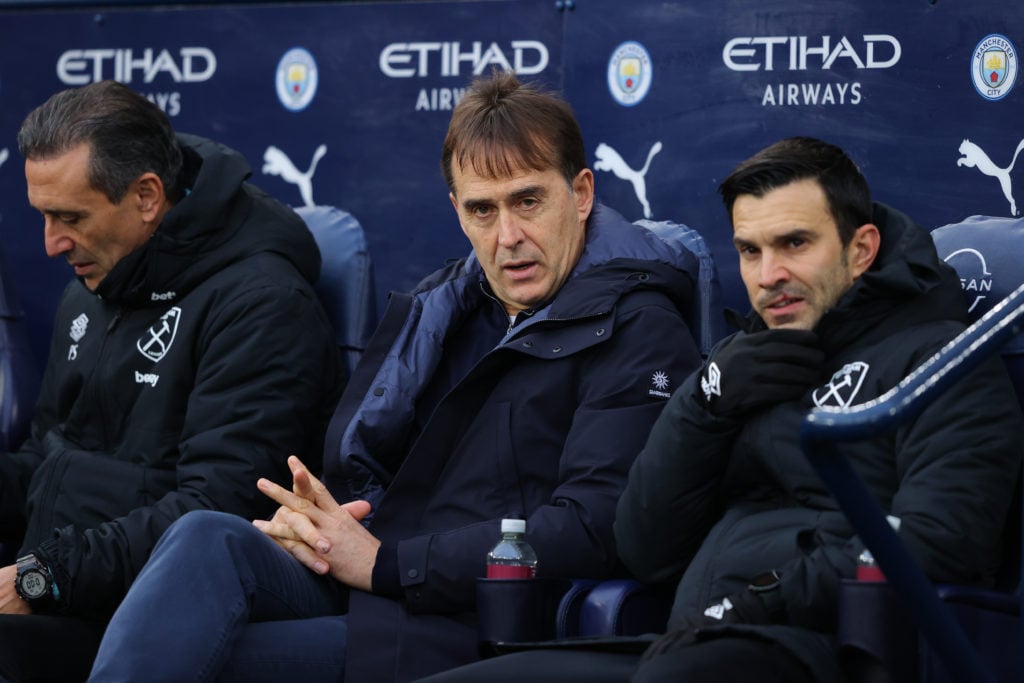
(495, 161)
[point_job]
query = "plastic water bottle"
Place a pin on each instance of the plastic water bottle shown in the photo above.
(512, 557)
(867, 569)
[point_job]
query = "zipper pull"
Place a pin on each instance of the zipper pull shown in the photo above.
(114, 321)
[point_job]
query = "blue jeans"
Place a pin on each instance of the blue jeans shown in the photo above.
(219, 601)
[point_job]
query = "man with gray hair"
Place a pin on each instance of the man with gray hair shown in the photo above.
(175, 379)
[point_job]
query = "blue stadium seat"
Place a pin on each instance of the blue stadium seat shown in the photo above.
(706, 319)
(19, 380)
(912, 629)
(345, 287)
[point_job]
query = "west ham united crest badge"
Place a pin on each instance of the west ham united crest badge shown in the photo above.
(157, 340)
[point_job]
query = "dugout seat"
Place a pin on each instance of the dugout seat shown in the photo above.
(346, 287)
(910, 629)
(985, 251)
(19, 380)
(706, 319)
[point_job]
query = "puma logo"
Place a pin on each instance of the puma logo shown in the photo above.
(3, 155)
(975, 157)
(610, 160)
(276, 162)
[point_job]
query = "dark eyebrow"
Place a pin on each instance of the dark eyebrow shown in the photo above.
(58, 213)
(532, 190)
(513, 197)
(737, 242)
(796, 233)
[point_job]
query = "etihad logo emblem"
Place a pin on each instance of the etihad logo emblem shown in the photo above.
(610, 160)
(975, 157)
(276, 162)
(843, 387)
(157, 340)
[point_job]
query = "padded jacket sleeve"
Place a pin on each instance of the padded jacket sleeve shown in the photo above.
(671, 499)
(957, 465)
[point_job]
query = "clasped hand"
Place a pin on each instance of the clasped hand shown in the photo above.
(321, 534)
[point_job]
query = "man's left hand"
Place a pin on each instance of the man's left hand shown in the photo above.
(10, 601)
(321, 534)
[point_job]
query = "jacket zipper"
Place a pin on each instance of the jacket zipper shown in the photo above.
(101, 400)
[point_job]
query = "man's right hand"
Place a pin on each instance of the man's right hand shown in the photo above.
(754, 370)
(321, 534)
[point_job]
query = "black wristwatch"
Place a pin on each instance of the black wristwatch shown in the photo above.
(34, 582)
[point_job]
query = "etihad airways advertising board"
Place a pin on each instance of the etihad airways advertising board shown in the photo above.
(346, 104)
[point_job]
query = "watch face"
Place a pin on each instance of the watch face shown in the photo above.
(33, 584)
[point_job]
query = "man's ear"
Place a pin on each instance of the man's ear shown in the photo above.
(583, 192)
(149, 193)
(863, 249)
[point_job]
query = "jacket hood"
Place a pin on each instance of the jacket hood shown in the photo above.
(907, 275)
(203, 233)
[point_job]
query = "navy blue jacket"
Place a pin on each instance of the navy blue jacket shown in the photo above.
(541, 424)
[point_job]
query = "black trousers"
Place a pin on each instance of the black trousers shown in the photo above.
(44, 649)
(721, 660)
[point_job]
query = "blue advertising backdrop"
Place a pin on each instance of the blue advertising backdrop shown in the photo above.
(346, 104)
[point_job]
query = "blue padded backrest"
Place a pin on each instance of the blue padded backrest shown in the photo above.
(987, 254)
(706, 318)
(19, 381)
(345, 287)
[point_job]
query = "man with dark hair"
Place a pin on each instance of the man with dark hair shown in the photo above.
(518, 382)
(848, 298)
(174, 379)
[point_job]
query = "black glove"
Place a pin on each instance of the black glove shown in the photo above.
(771, 366)
(745, 607)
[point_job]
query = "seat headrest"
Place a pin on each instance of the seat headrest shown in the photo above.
(986, 253)
(706, 319)
(346, 286)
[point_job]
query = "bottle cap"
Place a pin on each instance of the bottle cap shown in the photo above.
(513, 526)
